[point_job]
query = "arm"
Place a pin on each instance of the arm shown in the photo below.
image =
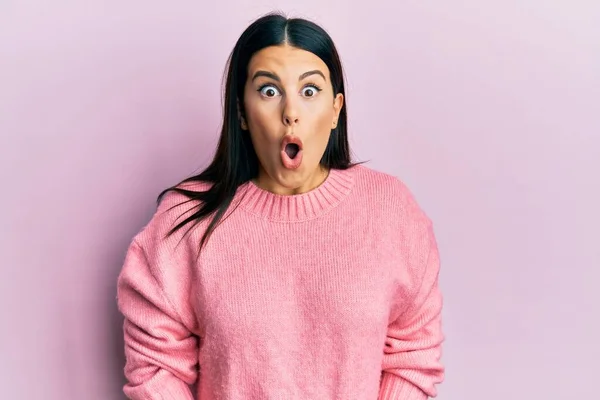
(411, 364)
(161, 352)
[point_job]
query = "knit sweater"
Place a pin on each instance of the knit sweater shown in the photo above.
(329, 294)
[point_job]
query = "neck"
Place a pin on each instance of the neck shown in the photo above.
(315, 179)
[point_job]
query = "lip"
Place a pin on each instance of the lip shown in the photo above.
(287, 162)
(291, 139)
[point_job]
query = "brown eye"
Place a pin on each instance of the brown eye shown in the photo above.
(268, 91)
(310, 91)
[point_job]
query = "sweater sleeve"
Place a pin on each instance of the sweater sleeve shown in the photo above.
(411, 365)
(161, 353)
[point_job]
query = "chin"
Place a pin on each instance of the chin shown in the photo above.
(292, 178)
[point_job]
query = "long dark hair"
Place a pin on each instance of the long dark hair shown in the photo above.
(235, 161)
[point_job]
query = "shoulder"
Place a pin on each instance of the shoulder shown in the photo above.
(391, 193)
(173, 208)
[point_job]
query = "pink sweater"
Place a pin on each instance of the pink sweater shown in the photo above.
(331, 294)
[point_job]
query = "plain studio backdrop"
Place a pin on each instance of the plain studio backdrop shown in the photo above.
(488, 110)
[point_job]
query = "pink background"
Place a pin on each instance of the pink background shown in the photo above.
(489, 110)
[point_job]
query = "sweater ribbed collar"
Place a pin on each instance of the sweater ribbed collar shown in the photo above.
(299, 207)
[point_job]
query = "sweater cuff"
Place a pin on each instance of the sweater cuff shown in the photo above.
(395, 388)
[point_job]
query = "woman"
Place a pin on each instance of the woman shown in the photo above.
(283, 270)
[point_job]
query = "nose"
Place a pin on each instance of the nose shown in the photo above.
(290, 113)
(290, 120)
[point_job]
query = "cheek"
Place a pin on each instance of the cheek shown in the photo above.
(321, 120)
(263, 133)
(321, 126)
(262, 119)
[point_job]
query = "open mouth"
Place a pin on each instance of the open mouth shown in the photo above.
(292, 150)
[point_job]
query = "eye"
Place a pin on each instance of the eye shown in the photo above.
(268, 91)
(310, 90)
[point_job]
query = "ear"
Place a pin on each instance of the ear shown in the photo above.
(241, 118)
(338, 103)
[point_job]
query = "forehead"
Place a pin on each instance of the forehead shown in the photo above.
(284, 60)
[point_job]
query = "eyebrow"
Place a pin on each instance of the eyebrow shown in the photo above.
(273, 76)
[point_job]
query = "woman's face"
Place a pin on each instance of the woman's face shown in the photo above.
(290, 111)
